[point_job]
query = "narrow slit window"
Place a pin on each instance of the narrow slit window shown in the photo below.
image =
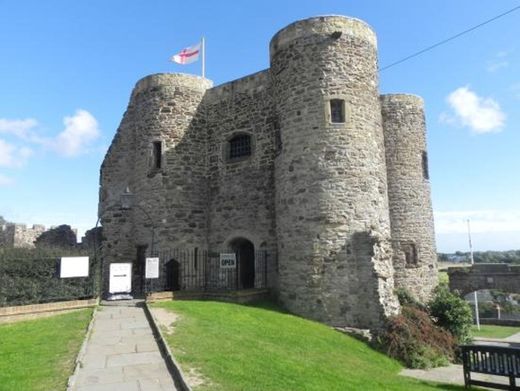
(157, 154)
(426, 173)
(239, 146)
(337, 111)
(410, 254)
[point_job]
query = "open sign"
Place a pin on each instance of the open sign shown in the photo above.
(228, 261)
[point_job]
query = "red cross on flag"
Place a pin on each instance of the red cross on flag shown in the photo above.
(187, 56)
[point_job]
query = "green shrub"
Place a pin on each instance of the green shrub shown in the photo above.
(412, 338)
(406, 298)
(30, 276)
(452, 313)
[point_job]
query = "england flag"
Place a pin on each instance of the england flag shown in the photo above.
(187, 56)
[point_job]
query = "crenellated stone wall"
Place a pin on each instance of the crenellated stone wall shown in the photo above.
(20, 235)
(312, 191)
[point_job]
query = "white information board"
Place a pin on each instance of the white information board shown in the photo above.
(152, 268)
(73, 267)
(228, 261)
(120, 278)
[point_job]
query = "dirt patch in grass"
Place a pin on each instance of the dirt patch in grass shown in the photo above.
(166, 319)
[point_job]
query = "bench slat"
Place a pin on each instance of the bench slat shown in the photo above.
(491, 360)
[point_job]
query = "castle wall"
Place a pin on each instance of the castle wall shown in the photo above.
(314, 189)
(19, 235)
(169, 208)
(116, 174)
(331, 198)
(415, 257)
(241, 193)
(173, 196)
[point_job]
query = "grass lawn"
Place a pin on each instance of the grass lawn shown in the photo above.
(491, 331)
(39, 354)
(252, 348)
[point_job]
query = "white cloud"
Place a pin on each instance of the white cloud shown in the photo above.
(80, 131)
(481, 115)
(499, 61)
(5, 181)
(21, 128)
(13, 156)
(482, 221)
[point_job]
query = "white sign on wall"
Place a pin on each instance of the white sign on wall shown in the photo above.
(228, 261)
(120, 278)
(152, 268)
(73, 267)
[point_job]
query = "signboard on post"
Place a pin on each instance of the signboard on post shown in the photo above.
(228, 261)
(73, 267)
(120, 278)
(152, 268)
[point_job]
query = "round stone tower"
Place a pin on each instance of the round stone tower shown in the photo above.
(411, 216)
(334, 252)
(170, 160)
(158, 153)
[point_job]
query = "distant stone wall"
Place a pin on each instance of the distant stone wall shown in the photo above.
(19, 235)
(497, 276)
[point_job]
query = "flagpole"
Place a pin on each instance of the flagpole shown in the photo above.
(475, 298)
(203, 44)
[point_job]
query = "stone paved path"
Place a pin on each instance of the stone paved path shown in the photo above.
(122, 354)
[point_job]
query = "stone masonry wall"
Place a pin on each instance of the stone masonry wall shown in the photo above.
(241, 198)
(116, 175)
(241, 192)
(411, 211)
(19, 235)
(331, 198)
(313, 190)
(169, 206)
(174, 197)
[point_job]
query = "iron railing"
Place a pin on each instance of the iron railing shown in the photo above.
(200, 270)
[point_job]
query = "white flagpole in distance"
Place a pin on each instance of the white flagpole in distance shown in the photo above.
(203, 47)
(475, 298)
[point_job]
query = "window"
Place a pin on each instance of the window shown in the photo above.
(239, 146)
(337, 111)
(156, 155)
(410, 254)
(426, 174)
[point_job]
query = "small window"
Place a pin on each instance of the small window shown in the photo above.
(410, 254)
(239, 146)
(425, 171)
(337, 111)
(157, 155)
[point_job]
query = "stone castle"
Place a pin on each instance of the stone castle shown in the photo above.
(305, 160)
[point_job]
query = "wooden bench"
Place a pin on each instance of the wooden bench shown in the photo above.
(491, 360)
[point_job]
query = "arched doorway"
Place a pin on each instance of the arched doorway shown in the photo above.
(245, 251)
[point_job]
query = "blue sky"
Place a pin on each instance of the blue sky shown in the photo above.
(67, 69)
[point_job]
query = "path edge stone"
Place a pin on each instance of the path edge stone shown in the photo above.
(173, 366)
(72, 378)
